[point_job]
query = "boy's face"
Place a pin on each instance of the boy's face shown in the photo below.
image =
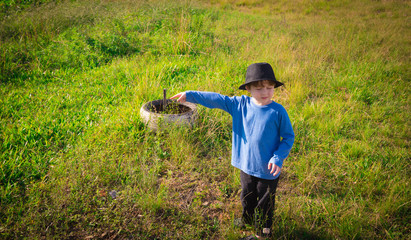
(262, 92)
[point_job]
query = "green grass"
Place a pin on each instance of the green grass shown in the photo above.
(74, 74)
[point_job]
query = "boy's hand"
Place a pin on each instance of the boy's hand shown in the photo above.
(274, 169)
(181, 97)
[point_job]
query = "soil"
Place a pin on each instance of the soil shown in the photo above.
(171, 108)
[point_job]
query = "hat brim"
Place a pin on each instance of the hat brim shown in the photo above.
(277, 84)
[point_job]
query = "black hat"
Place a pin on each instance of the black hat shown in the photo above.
(258, 72)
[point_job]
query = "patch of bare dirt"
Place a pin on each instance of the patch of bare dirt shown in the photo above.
(191, 191)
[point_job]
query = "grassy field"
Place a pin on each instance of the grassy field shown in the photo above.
(78, 163)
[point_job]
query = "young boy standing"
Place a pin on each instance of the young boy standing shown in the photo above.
(262, 138)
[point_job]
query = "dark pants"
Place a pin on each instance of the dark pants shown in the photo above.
(258, 200)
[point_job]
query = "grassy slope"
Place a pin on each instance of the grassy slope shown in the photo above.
(74, 75)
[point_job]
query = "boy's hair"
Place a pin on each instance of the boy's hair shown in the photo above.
(261, 83)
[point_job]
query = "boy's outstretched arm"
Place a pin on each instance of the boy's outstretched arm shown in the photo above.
(181, 97)
(207, 99)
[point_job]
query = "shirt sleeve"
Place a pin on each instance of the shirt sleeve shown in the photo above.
(211, 100)
(287, 141)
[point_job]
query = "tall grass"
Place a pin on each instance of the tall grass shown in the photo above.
(77, 161)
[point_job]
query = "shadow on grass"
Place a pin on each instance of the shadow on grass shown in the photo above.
(307, 234)
(300, 234)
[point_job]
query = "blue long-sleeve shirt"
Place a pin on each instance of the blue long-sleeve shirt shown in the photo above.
(261, 134)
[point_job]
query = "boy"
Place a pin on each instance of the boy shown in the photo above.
(262, 139)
